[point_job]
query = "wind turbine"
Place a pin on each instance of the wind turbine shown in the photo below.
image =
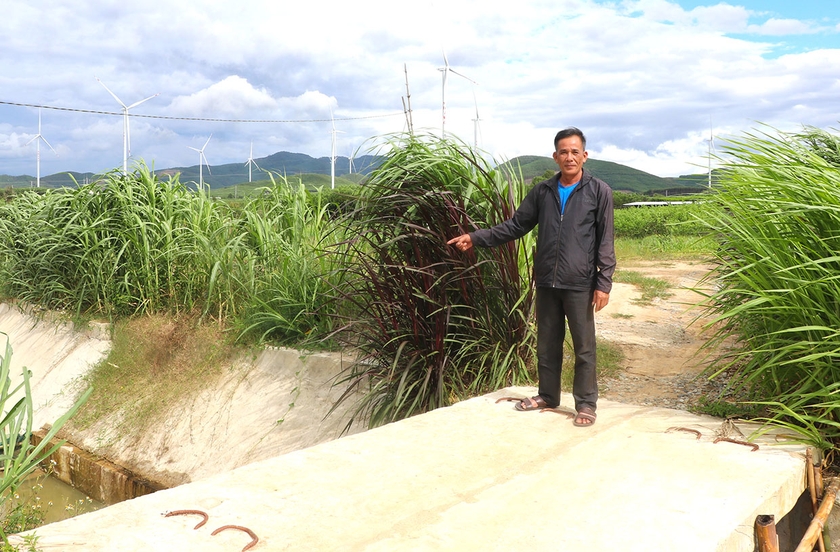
(249, 163)
(332, 154)
(475, 123)
(445, 70)
(37, 139)
(711, 147)
(126, 132)
(201, 158)
(350, 157)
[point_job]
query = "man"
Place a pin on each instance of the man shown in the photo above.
(573, 269)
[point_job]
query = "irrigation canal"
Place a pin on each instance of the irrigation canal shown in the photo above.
(477, 475)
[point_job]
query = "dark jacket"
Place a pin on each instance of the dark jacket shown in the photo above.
(575, 251)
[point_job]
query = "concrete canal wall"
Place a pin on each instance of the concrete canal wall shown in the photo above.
(268, 403)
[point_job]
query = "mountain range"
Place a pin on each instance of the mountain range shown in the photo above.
(619, 177)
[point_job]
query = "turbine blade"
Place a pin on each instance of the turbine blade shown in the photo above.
(463, 76)
(109, 91)
(205, 143)
(47, 143)
(135, 104)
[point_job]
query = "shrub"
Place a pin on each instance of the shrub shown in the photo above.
(671, 220)
(433, 325)
(776, 219)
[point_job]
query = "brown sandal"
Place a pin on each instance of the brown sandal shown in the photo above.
(533, 403)
(585, 413)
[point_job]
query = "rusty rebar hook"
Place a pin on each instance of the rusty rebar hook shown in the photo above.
(689, 430)
(188, 512)
(254, 537)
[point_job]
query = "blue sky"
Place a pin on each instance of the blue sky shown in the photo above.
(808, 10)
(797, 26)
(647, 80)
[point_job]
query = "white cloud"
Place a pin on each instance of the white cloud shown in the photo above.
(640, 77)
(722, 18)
(783, 27)
(15, 145)
(230, 98)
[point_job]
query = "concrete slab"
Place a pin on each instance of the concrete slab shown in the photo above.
(477, 475)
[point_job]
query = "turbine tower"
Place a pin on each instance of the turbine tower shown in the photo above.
(332, 154)
(249, 163)
(201, 158)
(445, 70)
(37, 139)
(126, 132)
(711, 147)
(475, 123)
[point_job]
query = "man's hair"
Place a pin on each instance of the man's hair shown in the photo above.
(567, 132)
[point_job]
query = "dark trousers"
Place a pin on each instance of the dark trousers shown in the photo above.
(554, 307)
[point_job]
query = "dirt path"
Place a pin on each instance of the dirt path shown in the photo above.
(660, 340)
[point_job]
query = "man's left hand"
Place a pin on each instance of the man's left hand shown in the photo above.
(600, 299)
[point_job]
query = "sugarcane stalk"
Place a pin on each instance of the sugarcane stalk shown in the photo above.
(765, 534)
(814, 531)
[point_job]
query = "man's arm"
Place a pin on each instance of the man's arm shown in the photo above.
(523, 221)
(605, 234)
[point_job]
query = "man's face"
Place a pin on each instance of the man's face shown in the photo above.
(570, 156)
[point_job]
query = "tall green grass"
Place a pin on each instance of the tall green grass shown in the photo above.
(291, 276)
(131, 244)
(19, 456)
(776, 310)
(433, 325)
(670, 220)
(119, 246)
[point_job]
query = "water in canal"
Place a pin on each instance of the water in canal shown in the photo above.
(50, 499)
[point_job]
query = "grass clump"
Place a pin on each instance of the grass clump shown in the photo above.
(776, 221)
(433, 325)
(155, 362)
(118, 246)
(650, 288)
(288, 275)
(664, 248)
(724, 408)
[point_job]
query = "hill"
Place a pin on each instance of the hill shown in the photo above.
(282, 163)
(57, 180)
(228, 176)
(619, 177)
(310, 180)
